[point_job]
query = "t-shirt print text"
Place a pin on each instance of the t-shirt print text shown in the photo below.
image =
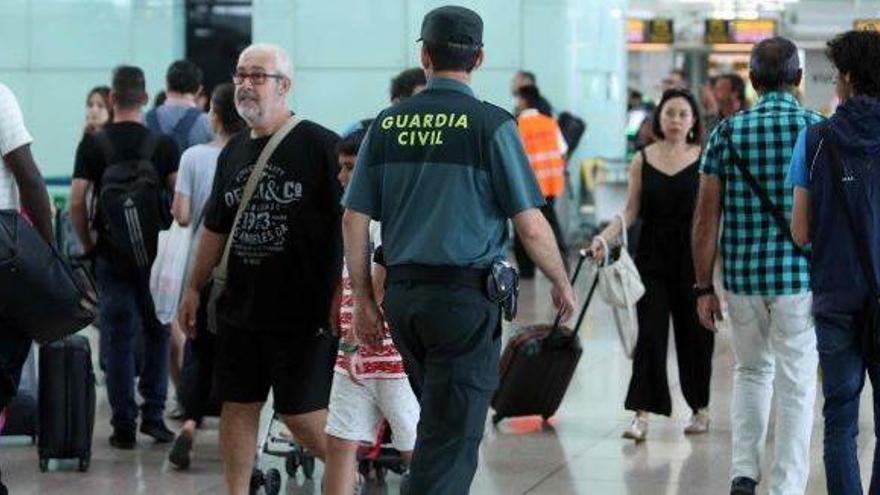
(263, 229)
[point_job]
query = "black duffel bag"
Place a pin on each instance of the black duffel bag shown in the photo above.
(40, 293)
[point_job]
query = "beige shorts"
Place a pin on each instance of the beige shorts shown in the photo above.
(356, 411)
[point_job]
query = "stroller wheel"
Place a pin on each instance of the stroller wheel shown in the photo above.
(257, 480)
(291, 464)
(273, 482)
(307, 461)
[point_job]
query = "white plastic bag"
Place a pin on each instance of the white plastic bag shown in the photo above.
(169, 271)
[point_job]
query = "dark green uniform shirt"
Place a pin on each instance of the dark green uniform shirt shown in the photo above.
(443, 172)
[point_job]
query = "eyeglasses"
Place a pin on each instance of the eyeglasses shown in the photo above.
(257, 78)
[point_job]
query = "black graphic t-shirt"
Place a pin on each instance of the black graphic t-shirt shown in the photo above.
(286, 254)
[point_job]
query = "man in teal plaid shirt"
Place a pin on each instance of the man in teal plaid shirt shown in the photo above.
(765, 274)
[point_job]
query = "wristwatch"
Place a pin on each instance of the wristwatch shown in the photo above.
(703, 291)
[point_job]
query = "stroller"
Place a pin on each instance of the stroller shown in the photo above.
(374, 461)
(295, 457)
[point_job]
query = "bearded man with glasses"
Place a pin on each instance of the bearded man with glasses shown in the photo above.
(281, 267)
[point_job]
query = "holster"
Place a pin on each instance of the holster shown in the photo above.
(502, 286)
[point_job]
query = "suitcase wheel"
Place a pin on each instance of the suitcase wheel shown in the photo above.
(84, 464)
(272, 482)
(44, 464)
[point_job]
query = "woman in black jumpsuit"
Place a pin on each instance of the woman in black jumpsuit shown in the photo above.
(664, 179)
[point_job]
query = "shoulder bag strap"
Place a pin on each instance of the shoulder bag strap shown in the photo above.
(862, 250)
(766, 203)
(251, 186)
(185, 125)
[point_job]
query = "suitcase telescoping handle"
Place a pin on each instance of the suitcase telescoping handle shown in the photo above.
(582, 257)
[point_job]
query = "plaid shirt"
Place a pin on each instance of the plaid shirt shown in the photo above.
(757, 258)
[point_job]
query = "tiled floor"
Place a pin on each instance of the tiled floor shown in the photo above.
(579, 452)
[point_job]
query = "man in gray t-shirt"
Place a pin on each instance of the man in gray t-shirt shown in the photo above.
(180, 117)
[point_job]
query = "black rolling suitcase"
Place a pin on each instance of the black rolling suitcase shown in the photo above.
(537, 365)
(67, 402)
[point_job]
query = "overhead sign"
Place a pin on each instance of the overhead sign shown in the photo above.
(744, 31)
(653, 31)
(867, 25)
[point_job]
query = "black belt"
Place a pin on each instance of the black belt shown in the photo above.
(468, 277)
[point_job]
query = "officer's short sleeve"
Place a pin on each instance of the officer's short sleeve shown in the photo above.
(716, 152)
(513, 181)
(364, 194)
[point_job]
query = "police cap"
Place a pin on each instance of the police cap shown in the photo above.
(452, 24)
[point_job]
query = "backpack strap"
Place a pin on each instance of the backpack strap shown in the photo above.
(105, 146)
(149, 145)
(815, 141)
(181, 130)
(152, 119)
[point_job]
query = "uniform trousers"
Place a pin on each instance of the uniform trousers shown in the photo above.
(449, 337)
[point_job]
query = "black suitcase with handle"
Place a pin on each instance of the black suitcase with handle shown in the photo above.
(537, 365)
(67, 402)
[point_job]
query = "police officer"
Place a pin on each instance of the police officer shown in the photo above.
(443, 171)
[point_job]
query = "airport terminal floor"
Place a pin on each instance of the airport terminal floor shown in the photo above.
(580, 452)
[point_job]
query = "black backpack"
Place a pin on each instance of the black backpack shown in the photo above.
(130, 206)
(573, 129)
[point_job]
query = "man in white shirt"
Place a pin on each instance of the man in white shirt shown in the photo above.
(20, 185)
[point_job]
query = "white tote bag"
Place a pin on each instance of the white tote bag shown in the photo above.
(621, 287)
(169, 270)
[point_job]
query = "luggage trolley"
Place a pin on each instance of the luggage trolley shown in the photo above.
(295, 457)
(538, 363)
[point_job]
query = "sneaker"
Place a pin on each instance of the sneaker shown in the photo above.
(743, 486)
(637, 429)
(158, 431)
(181, 450)
(699, 424)
(123, 440)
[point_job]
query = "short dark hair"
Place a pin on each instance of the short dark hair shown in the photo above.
(404, 84)
(774, 64)
(695, 134)
(737, 85)
(184, 77)
(129, 86)
(857, 54)
(530, 94)
(351, 144)
(453, 56)
(530, 76)
(223, 103)
(159, 99)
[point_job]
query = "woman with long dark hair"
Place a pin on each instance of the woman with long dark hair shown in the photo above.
(663, 184)
(99, 111)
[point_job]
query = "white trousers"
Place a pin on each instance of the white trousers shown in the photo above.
(774, 342)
